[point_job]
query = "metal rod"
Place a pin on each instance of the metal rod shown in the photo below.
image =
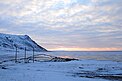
(33, 54)
(16, 55)
(25, 55)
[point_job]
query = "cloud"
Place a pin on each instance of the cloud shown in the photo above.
(81, 23)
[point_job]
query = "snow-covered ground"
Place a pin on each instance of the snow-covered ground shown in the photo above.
(61, 71)
(6, 55)
(83, 70)
(78, 70)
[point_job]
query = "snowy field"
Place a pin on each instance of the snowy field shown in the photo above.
(78, 70)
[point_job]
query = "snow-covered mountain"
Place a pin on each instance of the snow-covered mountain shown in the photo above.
(8, 41)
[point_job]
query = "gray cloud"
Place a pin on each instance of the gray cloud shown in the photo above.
(66, 23)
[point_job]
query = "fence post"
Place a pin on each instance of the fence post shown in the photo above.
(33, 54)
(16, 54)
(25, 55)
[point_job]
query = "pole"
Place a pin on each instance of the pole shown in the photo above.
(16, 55)
(33, 54)
(25, 55)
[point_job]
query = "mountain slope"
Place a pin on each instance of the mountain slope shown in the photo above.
(8, 41)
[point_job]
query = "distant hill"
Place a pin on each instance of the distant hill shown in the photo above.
(8, 41)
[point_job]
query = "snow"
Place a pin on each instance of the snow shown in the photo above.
(59, 71)
(8, 55)
(88, 68)
(46, 71)
(10, 42)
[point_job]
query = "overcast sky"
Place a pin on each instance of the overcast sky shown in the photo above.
(65, 24)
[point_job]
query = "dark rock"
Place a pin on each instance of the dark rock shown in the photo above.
(59, 59)
(4, 68)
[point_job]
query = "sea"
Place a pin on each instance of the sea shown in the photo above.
(81, 55)
(89, 55)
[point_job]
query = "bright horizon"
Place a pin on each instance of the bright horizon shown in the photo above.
(69, 25)
(85, 49)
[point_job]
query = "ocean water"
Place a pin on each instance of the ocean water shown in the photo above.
(82, 55)
(90, 55)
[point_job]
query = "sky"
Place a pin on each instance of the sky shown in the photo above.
(72, 25)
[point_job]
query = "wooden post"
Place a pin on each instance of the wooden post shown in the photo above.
(33, 54)
(16, 54)
(25, 55)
